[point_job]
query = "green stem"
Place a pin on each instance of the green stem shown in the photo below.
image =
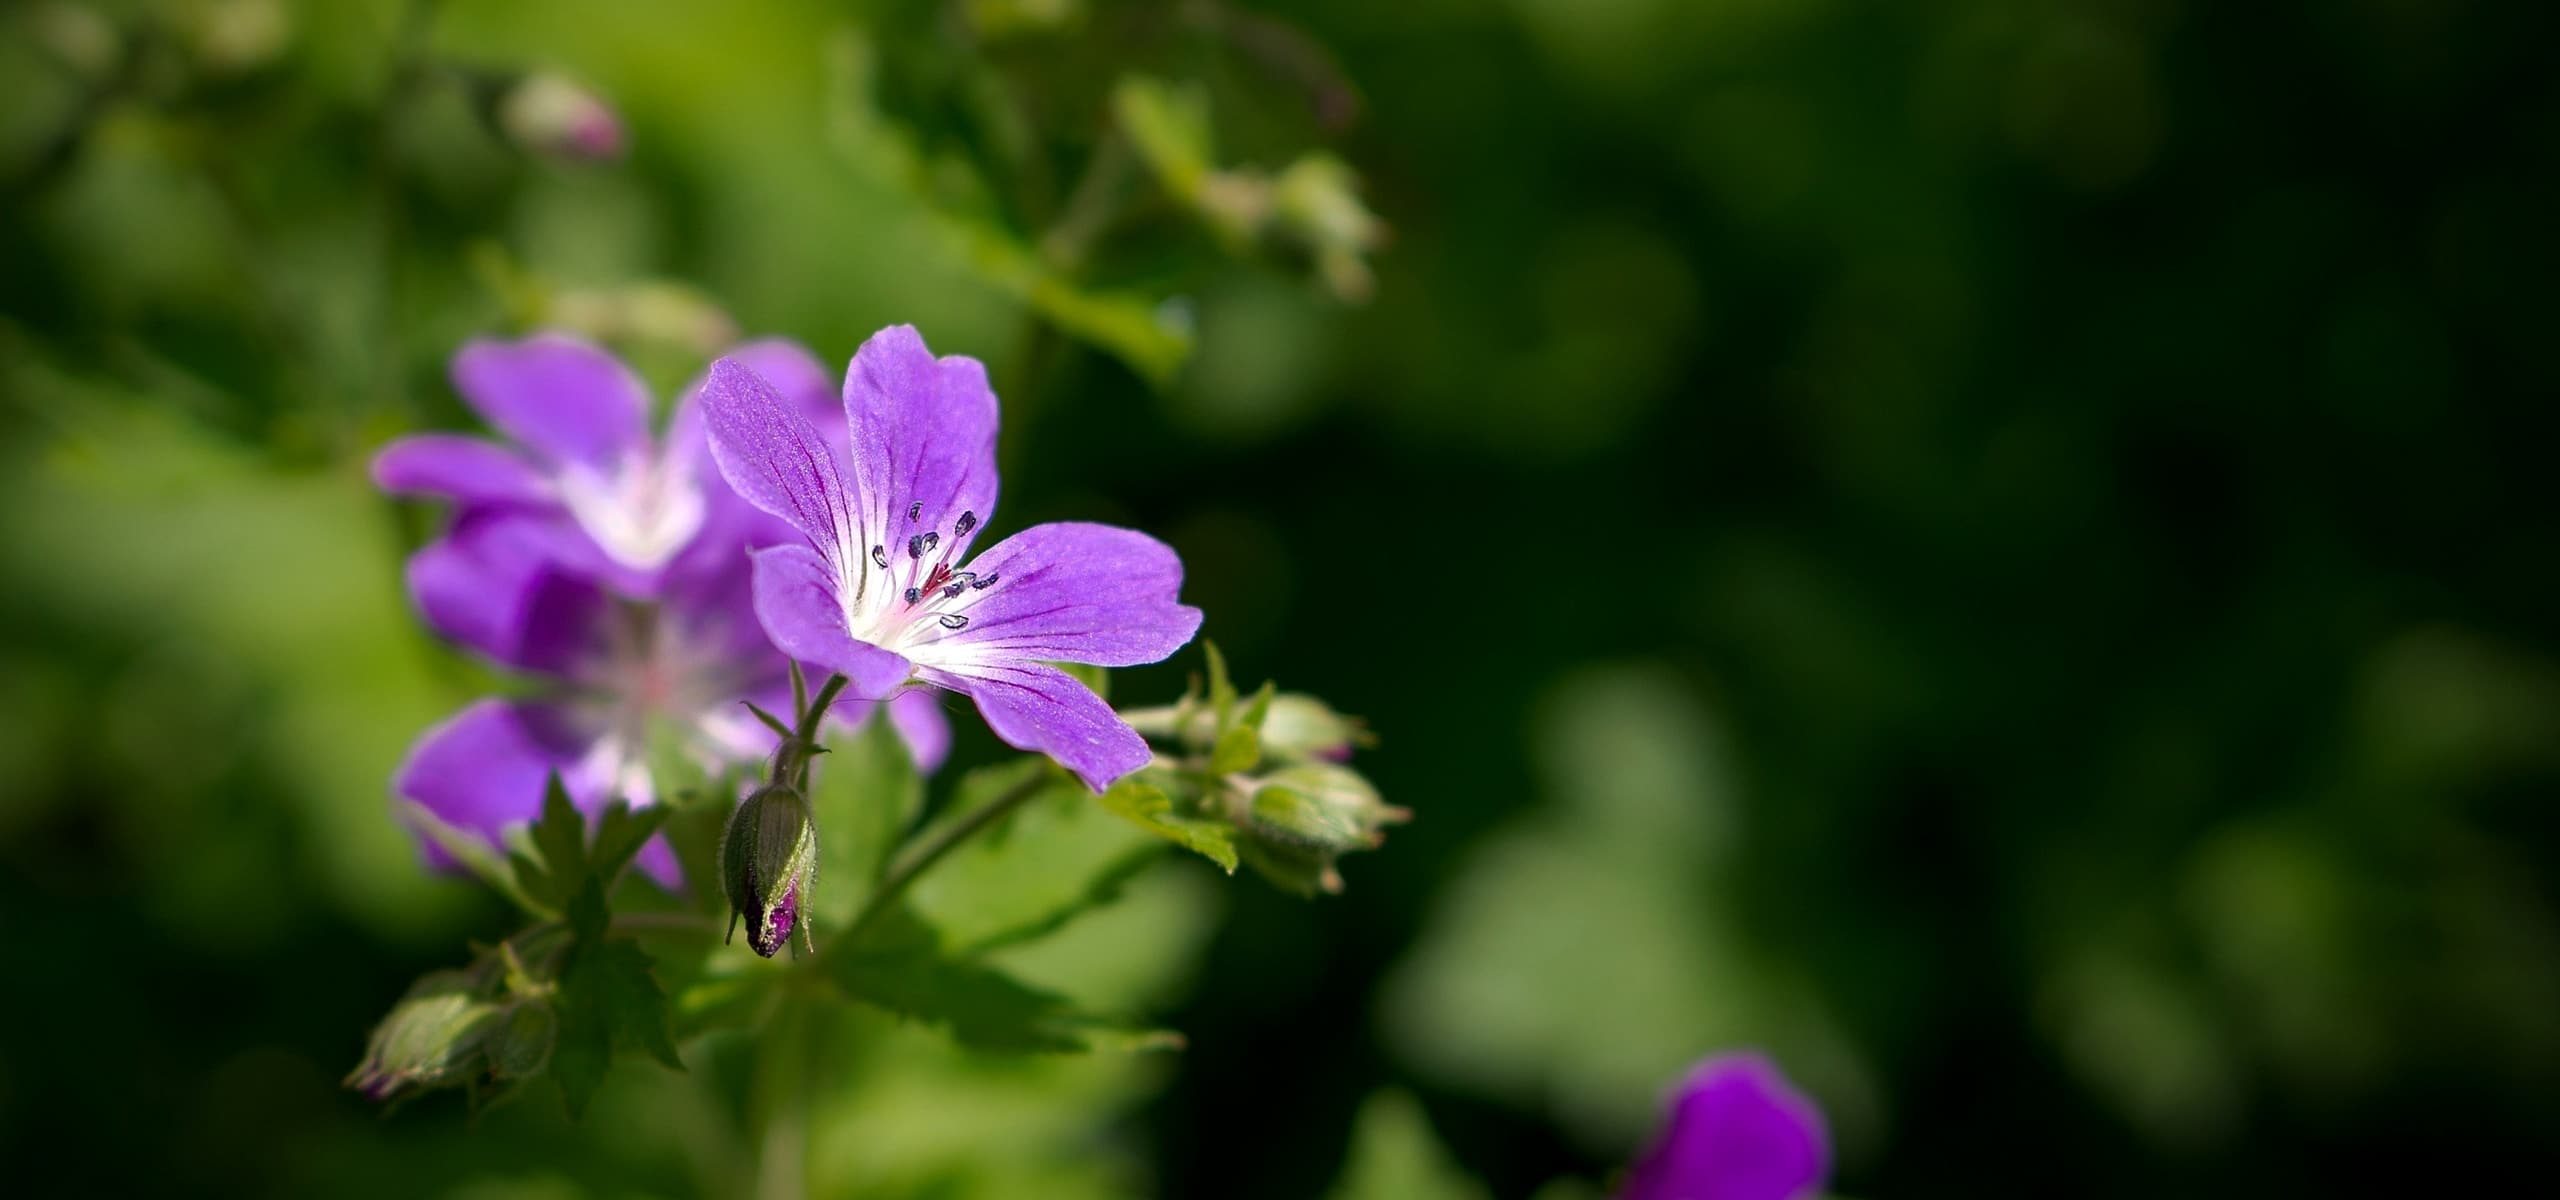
(921, 856)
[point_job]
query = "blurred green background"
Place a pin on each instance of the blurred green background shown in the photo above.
(2000, 551)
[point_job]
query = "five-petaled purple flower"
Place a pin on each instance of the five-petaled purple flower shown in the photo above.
(1736, 1131)
(607, 563)
(881, 589)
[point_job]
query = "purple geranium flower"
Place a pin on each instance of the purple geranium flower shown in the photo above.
(1736, 1131)
(878, 590)
(585, 585)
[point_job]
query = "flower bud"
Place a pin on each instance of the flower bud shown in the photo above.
(520, 1041)
(1298, 820)
(433, 1037)
(1299, 726)
(767, 861)
(548, 115)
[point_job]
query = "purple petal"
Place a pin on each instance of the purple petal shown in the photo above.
(467, 469)
(776, 460)
(1071, 592)
(1045, 710)
(560, 397)
(791, 369)
(485, 768)
(1737, 1131)
(495, 583)
(924, 442)
(797, 605)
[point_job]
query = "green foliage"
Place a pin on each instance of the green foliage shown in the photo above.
(564, 997)
(867, 796)
(1149, 807)
(1395, 1156)
(610, 1003)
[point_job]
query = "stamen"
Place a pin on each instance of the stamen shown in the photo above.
(954, 590)
(968, 521)
(915, 546)
(983, 582)
(932, 540)
(915, 511)
(952, 620)
(913, 594)
(880, 557)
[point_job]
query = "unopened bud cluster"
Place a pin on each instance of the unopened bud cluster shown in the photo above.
(1275, 768)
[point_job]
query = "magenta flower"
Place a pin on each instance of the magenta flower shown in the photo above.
(1736, 1131)
(565, 563)
(881, 588)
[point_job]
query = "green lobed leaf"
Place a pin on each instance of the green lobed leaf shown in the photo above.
(560, 838)
(620, 833)
(1151, 809)
(609, 1001)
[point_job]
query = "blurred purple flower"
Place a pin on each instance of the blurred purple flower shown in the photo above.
(1736, 1131)
(608, 566)
(876, 590)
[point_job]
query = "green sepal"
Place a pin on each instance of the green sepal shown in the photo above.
(1150, 808)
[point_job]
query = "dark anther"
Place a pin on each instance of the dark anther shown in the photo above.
(915, 546)
(967, 522)
(952, 620)
(954, 590)
(915, 511)
(932, 540)
(913, 594)
(983, 582)
(880, 557)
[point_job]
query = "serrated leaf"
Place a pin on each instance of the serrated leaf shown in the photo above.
(560, 838)
(588, 914)
(1238, 749)
(620, 833)
(534, 881)
(1151, 809)
(900, 966)
(610, 1001)
(475, 855)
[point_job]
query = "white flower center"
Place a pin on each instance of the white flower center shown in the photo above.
(907, 595)
(641, 514)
